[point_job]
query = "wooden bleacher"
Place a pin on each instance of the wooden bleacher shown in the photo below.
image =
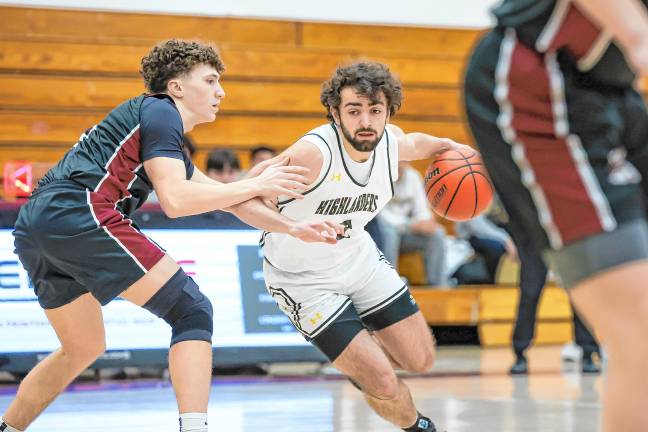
(63, 70)
(492, 309)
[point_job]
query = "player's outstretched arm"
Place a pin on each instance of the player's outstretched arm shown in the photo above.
(627, 21)
(181, 197)
(302, 154)
(257, 214)
(417, 146)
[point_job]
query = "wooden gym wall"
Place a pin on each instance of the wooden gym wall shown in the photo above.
(63, 70)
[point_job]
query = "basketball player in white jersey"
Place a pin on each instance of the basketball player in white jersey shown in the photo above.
(333, 294)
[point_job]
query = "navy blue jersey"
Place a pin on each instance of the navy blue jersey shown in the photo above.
(552, 25)
(516, 13)
(108, 159)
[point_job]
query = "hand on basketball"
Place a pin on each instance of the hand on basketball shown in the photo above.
(446, 188)
(316, 232)
(449, 144)
(282, 179)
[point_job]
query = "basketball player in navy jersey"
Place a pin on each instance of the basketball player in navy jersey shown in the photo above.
(334, 294)
(81, 249)
(564, 134)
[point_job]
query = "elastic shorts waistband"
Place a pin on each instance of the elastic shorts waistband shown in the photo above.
(58, 185)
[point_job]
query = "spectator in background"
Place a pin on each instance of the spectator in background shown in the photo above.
(189, 146)
(533, 277)
(407, 224)
(488, 240)
(223, 166)
(261, 153)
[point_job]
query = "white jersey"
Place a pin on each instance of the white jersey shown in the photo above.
(339, 194)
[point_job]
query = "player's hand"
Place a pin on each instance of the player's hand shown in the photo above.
(261, 166)
(638, 56)
(316, 232)
(281, 179)
(460, 147)
(448, 144)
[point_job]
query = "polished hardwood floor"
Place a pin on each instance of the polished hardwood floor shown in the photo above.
(469, 390)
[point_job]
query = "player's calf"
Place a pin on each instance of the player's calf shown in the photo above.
(189, 313)
(4, 427)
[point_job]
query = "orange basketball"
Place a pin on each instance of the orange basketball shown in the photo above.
(457, 185)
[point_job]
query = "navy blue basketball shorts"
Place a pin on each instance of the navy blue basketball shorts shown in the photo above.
(568, 157)
(73, 241)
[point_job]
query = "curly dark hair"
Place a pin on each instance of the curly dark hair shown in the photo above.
(173, 58)
(367, 78)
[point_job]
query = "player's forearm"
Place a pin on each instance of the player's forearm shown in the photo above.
(255, 213)
(427, 146)
(189, 197)
(627, 20)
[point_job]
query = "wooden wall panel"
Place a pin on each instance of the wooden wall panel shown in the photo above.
(228, 130)
(38, 129)
(113, 27)
(32, 154)
(96, 93)
(39, 92)
(71, 58)
(63, 70)
(241, 63)
(454, 43)
(313, 64)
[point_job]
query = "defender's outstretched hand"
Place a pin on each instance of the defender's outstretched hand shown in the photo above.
(275, 177)
(261, 166)
(316, 232)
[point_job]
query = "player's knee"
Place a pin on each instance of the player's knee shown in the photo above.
(421, 363)
(85, 353)
(188, 311)
(192, 318)
(383, 386)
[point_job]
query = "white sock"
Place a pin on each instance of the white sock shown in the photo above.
(4, 427)
(193, 422)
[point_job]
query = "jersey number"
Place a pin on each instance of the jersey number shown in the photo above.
(347, 226)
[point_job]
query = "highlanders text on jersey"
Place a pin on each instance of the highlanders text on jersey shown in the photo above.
(347, 192)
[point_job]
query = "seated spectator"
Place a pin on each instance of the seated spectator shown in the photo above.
(260, 154)
(407, 225)
(189, 146)
(223, 165)
(488, 240)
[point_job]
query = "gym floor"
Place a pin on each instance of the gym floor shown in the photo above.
(469, 390)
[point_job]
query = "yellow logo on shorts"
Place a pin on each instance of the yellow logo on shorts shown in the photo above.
(336, 177)
(316, 317)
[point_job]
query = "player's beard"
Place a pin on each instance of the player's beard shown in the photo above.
(361, 145)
